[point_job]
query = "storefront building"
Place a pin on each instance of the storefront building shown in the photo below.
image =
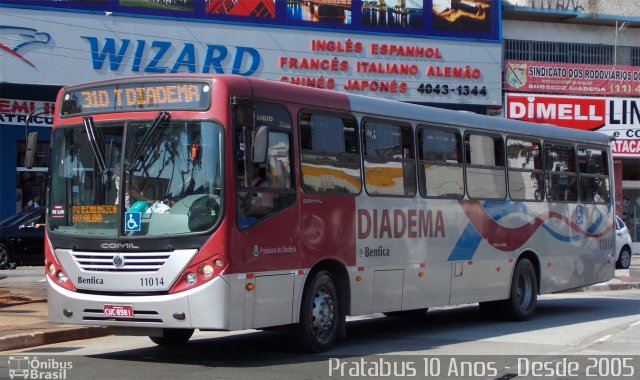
(17, 102)
(413, 51)
(590, 83)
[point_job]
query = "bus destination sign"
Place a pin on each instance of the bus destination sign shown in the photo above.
(136, 97)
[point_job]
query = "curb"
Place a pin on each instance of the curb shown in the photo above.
(39, 338)
(605, 287)
(7, 300)
(4, 303)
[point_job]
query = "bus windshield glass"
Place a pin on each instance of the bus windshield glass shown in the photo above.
(155, 181)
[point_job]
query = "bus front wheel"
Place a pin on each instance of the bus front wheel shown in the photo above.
(172, 337)
(317, 329)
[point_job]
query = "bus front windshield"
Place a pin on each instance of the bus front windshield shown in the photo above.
(132, 178)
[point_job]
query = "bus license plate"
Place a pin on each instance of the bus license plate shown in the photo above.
(118, 311)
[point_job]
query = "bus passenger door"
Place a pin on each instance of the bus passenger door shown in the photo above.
(266, 233)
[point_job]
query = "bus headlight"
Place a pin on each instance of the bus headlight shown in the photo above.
(206, 270)
(201, 271)
(52, 269)
(62, 277)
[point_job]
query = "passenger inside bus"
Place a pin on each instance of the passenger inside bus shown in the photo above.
(127, 198)
(263, 154)
(254, 205)
(140, 202)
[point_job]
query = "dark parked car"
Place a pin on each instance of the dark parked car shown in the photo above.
(21, 241)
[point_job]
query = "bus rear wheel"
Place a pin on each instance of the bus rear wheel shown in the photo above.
(317, 329)
(521, 303)
(172, 337)
(523, 296)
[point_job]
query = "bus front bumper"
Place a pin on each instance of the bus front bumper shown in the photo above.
(204, 307)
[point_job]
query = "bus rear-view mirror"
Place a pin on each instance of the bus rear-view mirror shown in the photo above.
(260, 142)
(30, 151)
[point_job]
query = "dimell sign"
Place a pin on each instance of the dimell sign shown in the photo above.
(617, 117)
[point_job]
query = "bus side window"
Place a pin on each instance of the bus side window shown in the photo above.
(561, 178)
(264, 171)
(485, 166)
(243, 126)
(440, 171)
(389, 164)
(594, 179)
(330, 158)
(524, 169)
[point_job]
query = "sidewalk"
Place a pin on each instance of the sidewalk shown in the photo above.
(624, 279)
(23, 318)
(23, 323)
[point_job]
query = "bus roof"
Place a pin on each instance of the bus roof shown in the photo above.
(465, 119)
(395, 109)
(313, 97)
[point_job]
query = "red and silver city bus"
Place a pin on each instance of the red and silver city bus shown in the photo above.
(184, 202)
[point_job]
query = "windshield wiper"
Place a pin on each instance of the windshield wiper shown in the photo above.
(97, 143)
(151, 132)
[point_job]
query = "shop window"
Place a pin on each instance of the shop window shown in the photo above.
(31, 183)
(42, 154)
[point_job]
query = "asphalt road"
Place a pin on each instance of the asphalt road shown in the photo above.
(604, 326)
(28, 281)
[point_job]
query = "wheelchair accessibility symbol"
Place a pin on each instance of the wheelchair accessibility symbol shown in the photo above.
(580, 214)
(132, 221)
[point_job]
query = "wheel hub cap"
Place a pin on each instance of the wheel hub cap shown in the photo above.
(323, 312)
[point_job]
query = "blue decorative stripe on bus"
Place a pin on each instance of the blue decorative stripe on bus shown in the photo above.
(470, 239)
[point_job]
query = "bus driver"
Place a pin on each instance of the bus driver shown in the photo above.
(255, 205)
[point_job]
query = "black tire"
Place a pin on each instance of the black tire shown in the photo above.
(172, 337)
(416, 313)
(624, 260)
(521, 304)
(318, 329)
(5, 257)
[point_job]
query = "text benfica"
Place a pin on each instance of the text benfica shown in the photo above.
(90, 281)
(399, 223)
